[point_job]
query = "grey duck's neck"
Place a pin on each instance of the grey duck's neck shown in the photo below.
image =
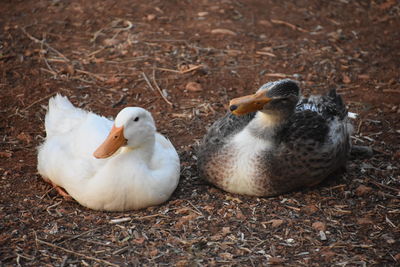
(266, 126)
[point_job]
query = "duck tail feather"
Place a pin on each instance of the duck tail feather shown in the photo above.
(338, 103)
(60, 114)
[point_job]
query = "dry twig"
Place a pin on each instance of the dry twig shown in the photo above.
(152, 88)
(382, 185)
(290, 25)
(159, 89)
(77, 253)
(45, 44)
(38, 101)
(91, 74)
(81, 234)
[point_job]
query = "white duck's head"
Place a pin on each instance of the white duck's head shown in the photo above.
(133, 127)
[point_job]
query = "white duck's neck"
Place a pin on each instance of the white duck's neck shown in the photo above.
(144, 152)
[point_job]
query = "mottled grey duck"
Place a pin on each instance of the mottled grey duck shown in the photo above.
(275, 141)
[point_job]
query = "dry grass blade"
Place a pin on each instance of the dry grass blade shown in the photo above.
(383, 185)
(38, 101)
(91, 74)
(159, 89)
(192, 69)
(45, 44)
(290, 25)
(77, 253)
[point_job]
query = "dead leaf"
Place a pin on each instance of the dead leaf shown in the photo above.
(362, 190)
(24, 137)
(223, 31)
(113, 80)
(226, 255)
(151, 17)
(5, 154)
(363, 77)
(240, 215)
(275, 260)
(328, 254)
(309, 209)
(99, 60)
(4, 238)
(182, 263)
(184, 210)
(387, 4)
(397, 256)
(226, 230)
(70, 69)
(154, 252)
(193, 87)
(139, 240)
(365, 220)
(185, 219)
(67, 69)
(216, 237)
(202, 14)
(228, 197)
(110, 42)
(276, 222)
(320, 226)
(233, 52)
(265, 23)
(346, 78)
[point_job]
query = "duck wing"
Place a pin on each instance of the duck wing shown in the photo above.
(77, 129)
(219, 134)
(313, 143)
(221, 131)
(72, 135)
(328, 106)
(317, 119)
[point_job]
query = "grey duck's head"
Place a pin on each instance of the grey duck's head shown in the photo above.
(273, 98)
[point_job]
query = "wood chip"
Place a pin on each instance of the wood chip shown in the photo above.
(320, 226)
(5, 154)
(193, 87)
(290, 25)
(309, 209)
(346, 79)
(362, 190)
(322, 236)
(24, 137)
(277, 75)
(265, 53)
(276, 223)
(151, 17)
(275, 261)
(226, 256)
(365, 220)
(120, 220)
(223, 31)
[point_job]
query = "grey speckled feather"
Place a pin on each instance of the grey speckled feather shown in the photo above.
(310, 144)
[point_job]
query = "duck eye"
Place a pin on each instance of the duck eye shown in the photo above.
(136, 119)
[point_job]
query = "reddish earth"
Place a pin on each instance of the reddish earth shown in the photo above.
(201, 54)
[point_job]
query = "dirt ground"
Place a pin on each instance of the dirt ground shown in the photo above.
(105, 55)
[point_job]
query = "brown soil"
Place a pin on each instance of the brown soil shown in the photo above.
(100, 53)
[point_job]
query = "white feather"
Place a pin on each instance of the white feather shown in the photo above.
(125, 181)
(247, 149)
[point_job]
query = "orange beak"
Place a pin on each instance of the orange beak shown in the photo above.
(246, 104)
(113, 142)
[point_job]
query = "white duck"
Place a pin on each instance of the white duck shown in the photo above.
(133, 167)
